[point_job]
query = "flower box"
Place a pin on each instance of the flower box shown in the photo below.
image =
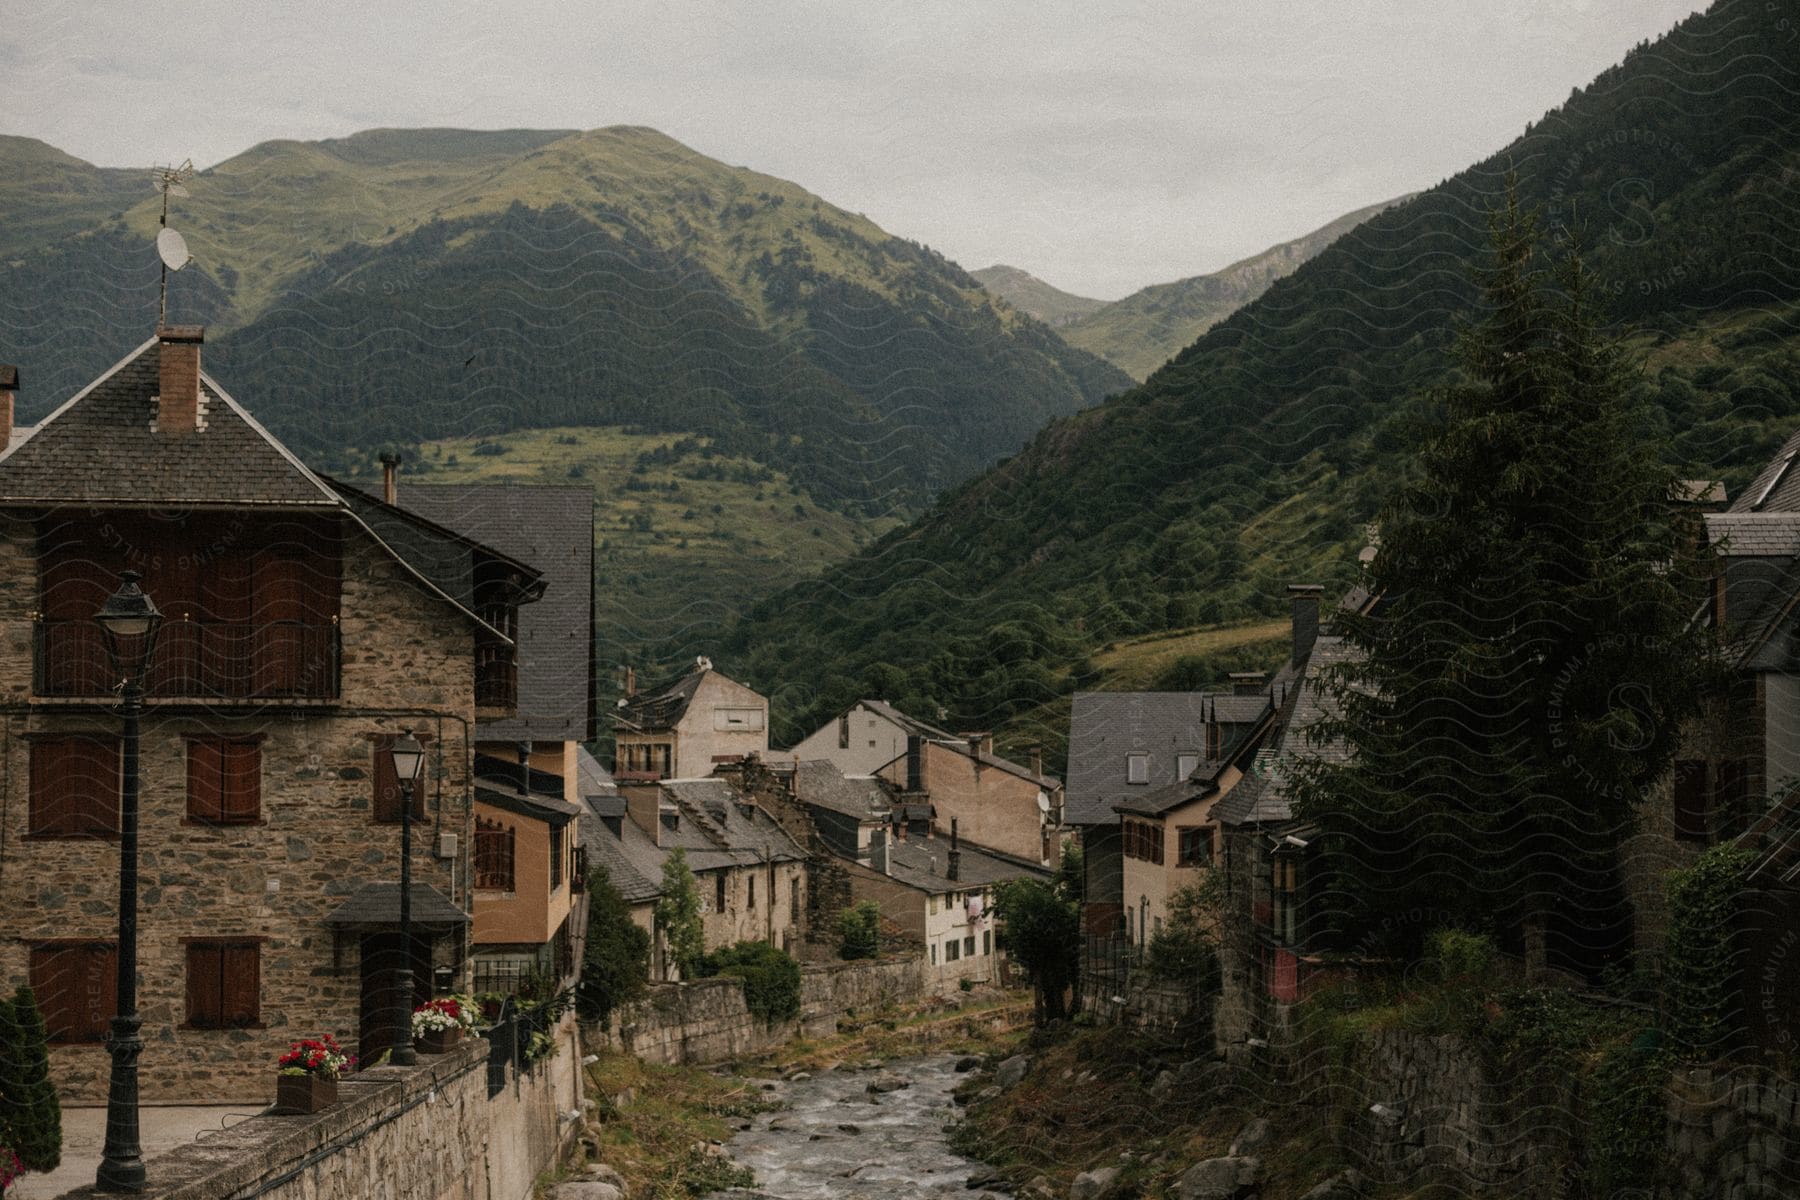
(301, 1094)
(437, 1041)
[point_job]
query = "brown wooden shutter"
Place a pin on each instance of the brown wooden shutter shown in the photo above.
(241, 984)
(226, 638)
(206, 801)
(203, 985)
(386, 802)
(280, 611)
(241, 772)
(75, 786)
(52, 972)
(1690, 800)
(76, 985)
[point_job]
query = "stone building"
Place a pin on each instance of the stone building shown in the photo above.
(686, 727)
(296, 645)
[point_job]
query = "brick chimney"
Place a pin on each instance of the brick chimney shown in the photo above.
(9, 392)
(1037, 760)
(178, 396)
(954, 867)
(1305, 597)
(390, 464)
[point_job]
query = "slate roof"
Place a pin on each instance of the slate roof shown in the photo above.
(501, 784)
(377, 905)
(100, 448)
(592, 779)
(911, 725)
(921, 864)
(820, 783)
(1776, 487)
(552, 529)
(1754, 535)
(662, 707)
(715, 832)
(631, 858)
(1104, 727)
(1264, 794)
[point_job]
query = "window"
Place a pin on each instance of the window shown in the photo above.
(224, 984)
(969, 946)
(1143, 841)
(750, 902)
(75, 786)
(844, 732)
(493, 856)
(1195, 846)
(952, 950)
(387, 784)
(1286, 897)
(987, 941)
(224, 781)
(931, 904)
(557, 854)
(1137, 768)
(934, 954)
(1185, 765)
(738, 720)
(1690, 800)
(719, 892)
(794, 900)
(76, 984)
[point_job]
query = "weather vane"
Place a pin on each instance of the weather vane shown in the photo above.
(171, 247)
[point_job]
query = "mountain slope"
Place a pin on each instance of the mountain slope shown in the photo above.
(1029, 294)
(404, 285)
(1147, 328)
(46, 194)
(1256, 456)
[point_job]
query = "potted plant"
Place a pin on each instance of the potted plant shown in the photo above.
(438, 1024)
(10, 1168)
(308, 1076)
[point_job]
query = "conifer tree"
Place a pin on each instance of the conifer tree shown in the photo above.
(34, 1117)
(678, 914)
(1521, 685)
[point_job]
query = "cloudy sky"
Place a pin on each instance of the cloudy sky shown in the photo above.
(1101, 146)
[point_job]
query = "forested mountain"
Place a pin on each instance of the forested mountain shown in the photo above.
(1147, 328)
(1031, 295)
(1256, 457)
(406, 285)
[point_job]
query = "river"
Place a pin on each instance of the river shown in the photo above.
(837, 1138)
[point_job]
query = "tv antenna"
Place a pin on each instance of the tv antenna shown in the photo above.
(171, 247)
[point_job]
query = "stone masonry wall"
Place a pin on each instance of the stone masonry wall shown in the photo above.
(428, 1132)
(707, 1021)
(274, 881)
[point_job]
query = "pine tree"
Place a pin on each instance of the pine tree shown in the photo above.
(678, 914)
(35, 1118)
(1521, 685)
(615, 962)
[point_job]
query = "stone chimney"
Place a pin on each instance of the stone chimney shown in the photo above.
(954, 867)
(1305, 597)
(878, 851)
(630, 680)
(1037, 759)
(390, 465)
(1249, 683)
(178, 381)
(9, 392)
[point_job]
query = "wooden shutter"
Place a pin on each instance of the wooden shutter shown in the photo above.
(205, 782)
(75, 786)
(386, 803)
(205, 985)
(1690, 800)
(240, 999)
(76, 985)
(241, 781)
(227, 636)
(1731, 792)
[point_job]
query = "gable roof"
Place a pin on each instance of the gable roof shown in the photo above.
(820, 783)
(662, 707)
(720, 828)
(1105, 727)
(1776, 487)
(99, 447)
(552, 529)
(921, 865)
(911, 725)
(1265, 793)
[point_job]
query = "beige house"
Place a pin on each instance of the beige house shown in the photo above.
(684, 728)
(997, 803)
(1167, 839)
(864, 738)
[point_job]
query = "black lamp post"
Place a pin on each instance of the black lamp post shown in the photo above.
(129, 621)
(408, 757)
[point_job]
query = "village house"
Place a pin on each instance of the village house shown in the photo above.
(616, 845)
(297, 644)
(686, 727)
(941, 777)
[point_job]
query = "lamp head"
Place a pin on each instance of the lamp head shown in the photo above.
(129, 619)
(408, 757)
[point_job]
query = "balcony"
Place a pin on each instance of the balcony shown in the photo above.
(207, 661)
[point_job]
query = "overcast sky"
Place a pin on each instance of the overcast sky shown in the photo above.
(1101, 146)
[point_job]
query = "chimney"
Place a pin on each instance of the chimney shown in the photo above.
(9, 392)
(915, 749)
(630, 680)
(878, 851)
(178, 383)
(1037, 759)
(390, 463)
(954, 868)
(1250, 683)
(979, 744)
(1305, 598)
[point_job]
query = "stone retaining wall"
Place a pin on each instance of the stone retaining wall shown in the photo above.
(428, 1132)
(707, 1021)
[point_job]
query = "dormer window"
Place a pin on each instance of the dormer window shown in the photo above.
(1185, 765)
(1137, 768)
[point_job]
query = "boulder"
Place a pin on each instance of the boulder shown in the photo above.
(1012, 1070)
(1250, 1139)
(967, 1063)
(983, 1176)
(586, 1189)
(887, 1083)
(1345, 1185)
(1095, 1184)
(1220, 1179)
(603, 1173)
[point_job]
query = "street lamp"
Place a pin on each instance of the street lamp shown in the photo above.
(129, 623)
(408, 757)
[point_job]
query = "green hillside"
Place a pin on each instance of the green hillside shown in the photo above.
(404, 285)
(1257, 456)
(46, 194)
(1029, 294)
(1147, 328)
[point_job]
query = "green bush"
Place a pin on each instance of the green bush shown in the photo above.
(1461, 955)
(771, 978)
(30, 1116)
(1701, 970)
(859, 930)
(616, 963)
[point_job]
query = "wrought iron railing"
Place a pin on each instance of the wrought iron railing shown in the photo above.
(198, 660)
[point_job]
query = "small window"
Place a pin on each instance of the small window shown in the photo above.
(719, 892)
(76, 985)
(224, 781)
(844, 732)
(934, 954)
(931, 904)
(557, 854)
(75, 787)
(1137, 768)
(987, 941)
(738, 720)
(952, 950)
(750, 896)
(969, 946)
(224, 984)
(1196, 847)
(494, 844)
(1185, 765)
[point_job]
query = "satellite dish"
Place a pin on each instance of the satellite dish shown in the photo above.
(1043, 803)
(172, 248)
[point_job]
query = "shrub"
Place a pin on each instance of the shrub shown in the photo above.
(859, 931)
(1460, 955)
(30, 1117)
(678, 914)
(1700, 963)
(616, 961)
(771, 978)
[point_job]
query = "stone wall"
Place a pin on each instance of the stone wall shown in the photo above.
(1733, 1135)
(707, 1021)
(428, 1132)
